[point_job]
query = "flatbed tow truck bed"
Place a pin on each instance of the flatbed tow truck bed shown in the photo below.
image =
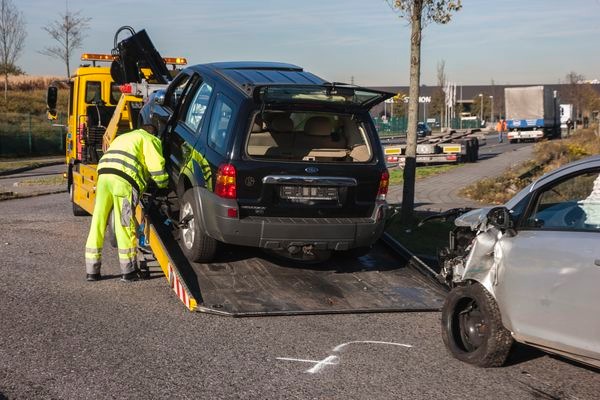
(248, 282)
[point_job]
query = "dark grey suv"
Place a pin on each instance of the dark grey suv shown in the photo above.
(271, 156)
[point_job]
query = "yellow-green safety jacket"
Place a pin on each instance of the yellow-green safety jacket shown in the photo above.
(135, 156)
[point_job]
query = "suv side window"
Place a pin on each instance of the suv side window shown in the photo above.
(572, 204)
(221, 123)
(176, 91)
(197, 107)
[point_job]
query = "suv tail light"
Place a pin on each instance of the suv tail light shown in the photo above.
(384, 184)
(226, 185)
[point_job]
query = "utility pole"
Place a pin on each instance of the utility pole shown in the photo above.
(481, 110)
(492, 116)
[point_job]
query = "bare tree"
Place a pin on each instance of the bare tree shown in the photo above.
(69, 31)
(419, 13)
(12, 40)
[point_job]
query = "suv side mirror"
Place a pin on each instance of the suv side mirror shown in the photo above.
(499, 217)
(159, 97)
(51, 99)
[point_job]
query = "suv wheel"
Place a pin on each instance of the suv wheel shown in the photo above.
(196, 245)
(472, 327)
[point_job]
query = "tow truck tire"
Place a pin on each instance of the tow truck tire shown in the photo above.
(196, 245)
(77, 211)
(472, 327)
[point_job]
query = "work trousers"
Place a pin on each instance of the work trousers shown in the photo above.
(113, 193)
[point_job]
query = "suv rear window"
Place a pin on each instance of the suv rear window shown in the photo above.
(309, 136)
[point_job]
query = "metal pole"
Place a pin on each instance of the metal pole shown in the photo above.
(492, 116)
(30, 146)
(481, 110)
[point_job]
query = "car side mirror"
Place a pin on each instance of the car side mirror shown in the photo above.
(499, 217)
(51, 99)
(159, 97)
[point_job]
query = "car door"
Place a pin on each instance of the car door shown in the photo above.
(548, 273)
(174, 104)
(189, 124)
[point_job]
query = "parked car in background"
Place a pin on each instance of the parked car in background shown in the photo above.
(528, 271)
(423, 129)
(271, 156)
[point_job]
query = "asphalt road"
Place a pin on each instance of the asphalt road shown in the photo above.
(64, 338)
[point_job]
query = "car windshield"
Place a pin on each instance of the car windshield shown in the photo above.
(309, 136)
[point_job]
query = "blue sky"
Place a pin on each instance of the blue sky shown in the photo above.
(508, 41)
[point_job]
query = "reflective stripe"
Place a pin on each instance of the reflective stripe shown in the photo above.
(92, 260)
(124, 153)
(158, 173)
(127, 251)
(122, 162)
(92, 250)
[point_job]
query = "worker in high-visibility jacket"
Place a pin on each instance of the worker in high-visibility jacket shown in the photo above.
(123, 173)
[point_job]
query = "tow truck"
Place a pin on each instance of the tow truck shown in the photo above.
(105, 102)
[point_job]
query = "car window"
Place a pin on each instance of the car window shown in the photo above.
(221, 123)
(572, 204)
(115, 93)
(197, 107)
(177, 90)
(309, 136)
(93, 92)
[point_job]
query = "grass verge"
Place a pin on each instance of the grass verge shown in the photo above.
(396, 175)
(547, 156)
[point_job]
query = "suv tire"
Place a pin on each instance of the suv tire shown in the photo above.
(472, 327)
(196, 245)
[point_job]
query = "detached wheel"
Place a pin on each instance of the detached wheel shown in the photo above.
(196, 245)
(472, 327)
(77, 211)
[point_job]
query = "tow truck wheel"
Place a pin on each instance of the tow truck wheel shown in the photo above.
(77, 211)
(472, 327)
(196, 245)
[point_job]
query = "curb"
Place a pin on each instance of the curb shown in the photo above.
(34, 166)
(18, 196)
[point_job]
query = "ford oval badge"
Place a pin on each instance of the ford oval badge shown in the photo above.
(311, 170)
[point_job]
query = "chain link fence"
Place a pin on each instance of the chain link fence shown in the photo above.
(23, 135)
(397, 126)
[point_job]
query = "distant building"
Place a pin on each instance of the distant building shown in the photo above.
(465, 96)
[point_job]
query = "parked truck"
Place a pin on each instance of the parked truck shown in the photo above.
(567, 117)
(453, 146)
(531, 113)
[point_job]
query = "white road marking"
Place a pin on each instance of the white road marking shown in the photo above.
(335, 360)
(321, 364)
(340, 346)
(302, 360)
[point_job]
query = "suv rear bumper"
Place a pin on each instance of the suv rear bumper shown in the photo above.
(279, 233)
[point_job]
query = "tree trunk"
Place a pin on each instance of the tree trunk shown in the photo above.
(410, 166)
(5, 87)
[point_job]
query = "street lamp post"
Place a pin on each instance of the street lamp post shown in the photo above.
(492, 116)
(481, 109)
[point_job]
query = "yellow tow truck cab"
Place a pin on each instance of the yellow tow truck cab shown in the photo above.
(99, 109)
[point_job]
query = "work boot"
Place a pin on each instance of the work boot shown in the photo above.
(92, 277)
(130, 277)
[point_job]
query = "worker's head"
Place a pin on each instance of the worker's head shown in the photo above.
(149, 128)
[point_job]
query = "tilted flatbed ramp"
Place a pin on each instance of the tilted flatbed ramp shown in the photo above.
(248, 282)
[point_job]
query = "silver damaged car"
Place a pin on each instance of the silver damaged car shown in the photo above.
(528, 271)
